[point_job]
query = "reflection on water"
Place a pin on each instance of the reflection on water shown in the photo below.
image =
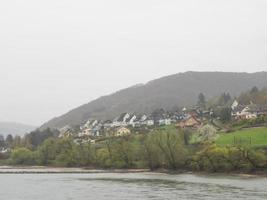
(130, 186)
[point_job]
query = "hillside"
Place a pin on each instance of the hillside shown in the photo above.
(176, 90)
(14, 128)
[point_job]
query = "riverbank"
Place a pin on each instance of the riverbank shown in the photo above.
(76, 170)
(61, 170)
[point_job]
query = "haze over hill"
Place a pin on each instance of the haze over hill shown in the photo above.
(171, 91)
(14, 128)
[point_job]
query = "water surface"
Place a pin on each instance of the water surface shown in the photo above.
(128, 186)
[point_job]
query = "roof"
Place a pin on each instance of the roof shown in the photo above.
(120, 118)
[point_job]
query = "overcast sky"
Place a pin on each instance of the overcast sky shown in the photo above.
(58, 54)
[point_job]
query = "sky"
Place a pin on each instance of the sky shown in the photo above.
(58, 54)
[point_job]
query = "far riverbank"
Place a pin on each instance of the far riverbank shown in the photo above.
(76, 170)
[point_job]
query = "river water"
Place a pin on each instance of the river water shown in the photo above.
(128, 186)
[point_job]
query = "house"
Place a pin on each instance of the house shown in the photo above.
(96, 130)
(131, 120)
(122, 131)
(94, 123)
(191, 122)
(85, 125)
(107, 124)
(178, 117)
(164, 121)
(83, 141)
(247, 113)
(121, 120)
(89, 124)
(139, 120)
(244, 112)
(65, 131)
(86, 132)
(149, 122)
(4, 150)
(144, 120)
(234, 104)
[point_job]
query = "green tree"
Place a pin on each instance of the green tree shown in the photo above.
(151, 152)
(224, 99)
(9, 140)
(171, 147)
(22, 156)
(225, 114)
(123, 153)
(17, 141)
(65, 153)
(46, 153)
(254, 90)
(201, 100)
(2, 141)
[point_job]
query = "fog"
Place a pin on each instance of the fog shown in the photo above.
(59, 54)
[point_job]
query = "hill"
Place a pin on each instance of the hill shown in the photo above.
(171, 91)
(14, 128)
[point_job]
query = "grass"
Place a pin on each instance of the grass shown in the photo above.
(256, 137)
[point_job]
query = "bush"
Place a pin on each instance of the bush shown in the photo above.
(231, 158)
(22, 156)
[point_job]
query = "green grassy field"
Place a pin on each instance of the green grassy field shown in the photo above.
(256, 137)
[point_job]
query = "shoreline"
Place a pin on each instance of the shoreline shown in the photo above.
(84, 170)
(63, 170)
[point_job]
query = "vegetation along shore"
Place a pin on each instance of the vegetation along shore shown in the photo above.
(222, 135)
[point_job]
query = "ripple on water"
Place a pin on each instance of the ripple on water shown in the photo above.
(129, 187)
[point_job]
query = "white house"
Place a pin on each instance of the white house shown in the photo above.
(143, 118)
(121, 120)
(86, 132)
(65, 131)
(149, 122)
(94, 123)
(126, 117)
(131, 121)
(163, 122)
(244, 113)
(234, 105)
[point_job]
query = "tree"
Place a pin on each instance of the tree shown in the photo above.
(151, 152)
(46, 153)
(2, 141)
(206, 133)
(37, 137)
(123, 152)
(187, 133)
(171, 147)
(65, 153)
(201, 100)
(9, 140)
(224, 99)
(22, 156)
(225, 114)
(16, 141)
(254, 90)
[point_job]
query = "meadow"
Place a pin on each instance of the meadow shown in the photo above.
(256, 137)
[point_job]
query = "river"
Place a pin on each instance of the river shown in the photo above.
(129, 186)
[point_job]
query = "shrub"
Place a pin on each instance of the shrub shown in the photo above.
(22, 156)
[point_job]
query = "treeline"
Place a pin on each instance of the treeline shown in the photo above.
(254, 95)
(158, 150)
(30, 140)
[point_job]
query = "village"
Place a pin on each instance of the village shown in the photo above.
(127, 123)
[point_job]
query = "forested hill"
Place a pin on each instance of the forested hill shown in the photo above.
(171, 91)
